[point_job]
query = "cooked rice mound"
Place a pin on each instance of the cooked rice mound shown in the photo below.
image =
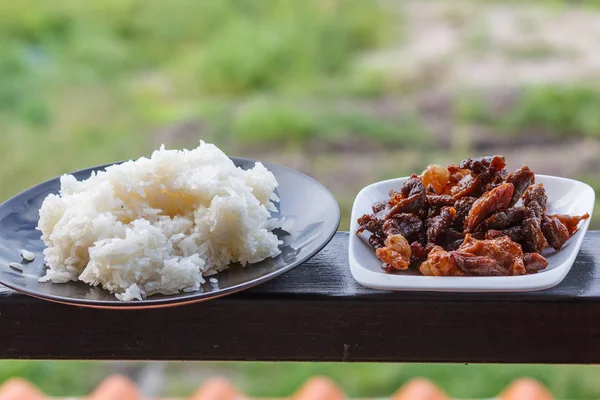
(159, 225)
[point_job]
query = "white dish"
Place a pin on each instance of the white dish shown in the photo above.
(565, 196)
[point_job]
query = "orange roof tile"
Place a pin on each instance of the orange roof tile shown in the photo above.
(317, 388)
(526, 388)
(115, 387)
(216, 389)
(19, 389)
(420, 389)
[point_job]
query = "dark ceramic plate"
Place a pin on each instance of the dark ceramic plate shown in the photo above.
(311, 213)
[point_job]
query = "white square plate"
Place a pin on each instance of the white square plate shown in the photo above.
(565, 196)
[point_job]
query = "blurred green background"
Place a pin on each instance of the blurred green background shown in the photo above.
(349, 92)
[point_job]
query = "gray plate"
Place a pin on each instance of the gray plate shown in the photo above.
(311, 213)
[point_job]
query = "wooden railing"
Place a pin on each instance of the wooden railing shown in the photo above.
(318, 312)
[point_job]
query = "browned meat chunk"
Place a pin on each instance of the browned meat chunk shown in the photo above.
(469, 264)
(571, 221)
(521, 180)
(451, 239)
(412, 199)
(504, 219)
(534, 262)
(555, 232)
(488, 170)
(463, 206)
(379, 206)
(467, 186)
(535, 199)
(376, 242)
(436, 226)
(506, 253)
(494, 200)
(515, 233)
(418, 250)
(396, 252)
(534, 240)
(407, 225)
(481, 165)
(370, 223)
(440, 200)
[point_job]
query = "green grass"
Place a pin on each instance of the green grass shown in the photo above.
(263, 123)
(89, 83)
(67, 378)
(56, 378)
(460, 381)
(555, 110)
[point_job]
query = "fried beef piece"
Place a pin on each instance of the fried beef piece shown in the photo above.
(489, 172)
(503, 219)
(463, 206)
(494, 200)
(458, 181)
(521, 180)
(570, 221)
(535, 199)
(469, 264)
(378, 206)
(555, 232)
(373, 222)
(396, 253)
(534, 262)
(533, 237)
(413, 198)
(376, 242)
(482, 165)
(451, 239)
(467, 186)
(440, 200)
(515, 233)
(408, 225)
(370, 223)
(418, 250)
(504, 252)
(436, 226)
(418, 254)
(433, 212)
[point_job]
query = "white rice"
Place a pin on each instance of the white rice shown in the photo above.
(16, 265)
(27, 255)
(159, 225)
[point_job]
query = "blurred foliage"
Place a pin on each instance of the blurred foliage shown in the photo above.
(555, 110)
(93, 80)
(69, 378)
(380, 380)
(208, 48)
(263, 122)
(56, 378)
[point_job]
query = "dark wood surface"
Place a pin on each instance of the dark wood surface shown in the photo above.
(317, 312)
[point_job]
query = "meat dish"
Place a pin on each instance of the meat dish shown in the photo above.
(474, 218)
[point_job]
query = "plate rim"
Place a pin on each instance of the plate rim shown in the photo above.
(193, 297)
(382, 281)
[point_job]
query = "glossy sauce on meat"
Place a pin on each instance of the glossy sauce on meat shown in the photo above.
(464, 220)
